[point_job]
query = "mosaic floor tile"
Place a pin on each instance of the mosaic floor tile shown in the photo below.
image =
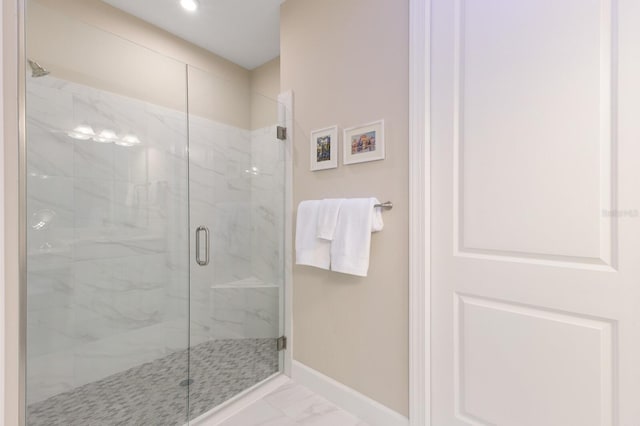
(151, 394)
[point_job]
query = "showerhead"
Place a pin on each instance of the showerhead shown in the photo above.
(36, 69)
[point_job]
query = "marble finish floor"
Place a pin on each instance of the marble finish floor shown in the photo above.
(292, 405)
(151, 394)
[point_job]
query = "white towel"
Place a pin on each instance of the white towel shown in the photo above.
(328, 217)
(351, 244)
(310, 250)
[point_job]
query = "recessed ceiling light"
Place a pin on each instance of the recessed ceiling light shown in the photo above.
(190, 5)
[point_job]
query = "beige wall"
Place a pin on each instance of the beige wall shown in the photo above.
(347, 63)
(108, 18)
(92, 43)
(265, 88)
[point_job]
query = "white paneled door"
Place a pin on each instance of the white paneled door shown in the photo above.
(536, 212)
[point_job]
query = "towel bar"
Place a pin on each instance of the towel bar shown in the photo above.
(386, 205)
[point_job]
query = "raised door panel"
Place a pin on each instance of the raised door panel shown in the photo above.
(527, 366)
(533, 134)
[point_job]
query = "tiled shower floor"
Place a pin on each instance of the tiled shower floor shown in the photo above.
(151, 394)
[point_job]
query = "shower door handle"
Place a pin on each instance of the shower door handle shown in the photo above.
(199, 259)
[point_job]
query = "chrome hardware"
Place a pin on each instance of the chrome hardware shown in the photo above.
(386, 205)
(281, 343)
(199, 261)
(281, 133)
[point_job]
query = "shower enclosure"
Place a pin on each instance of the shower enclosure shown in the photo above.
(155, 231)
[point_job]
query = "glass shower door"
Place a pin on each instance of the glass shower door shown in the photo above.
(155, 231)
(107, 228)
(236, 187)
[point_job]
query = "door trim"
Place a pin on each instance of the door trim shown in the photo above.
(12, 266)
(419, 217)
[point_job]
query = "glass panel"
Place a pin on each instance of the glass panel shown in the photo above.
(107, 216)
(237, 192)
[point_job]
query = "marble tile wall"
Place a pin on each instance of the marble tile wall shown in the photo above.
(107, 236)
(246, 309)
(109, 254)
(220, 199)
(267, 209)
(237, 190)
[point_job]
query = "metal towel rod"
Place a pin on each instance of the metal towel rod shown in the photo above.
(386, 205)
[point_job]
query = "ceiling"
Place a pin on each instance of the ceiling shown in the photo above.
(246, 32)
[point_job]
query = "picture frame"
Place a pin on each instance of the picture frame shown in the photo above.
(364, 143)
(324, 149)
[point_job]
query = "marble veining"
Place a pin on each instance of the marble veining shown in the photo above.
(292, 405)
(104, 221)
(110, 255)
(247, 308)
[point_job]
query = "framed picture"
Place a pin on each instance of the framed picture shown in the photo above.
(324, 148)
(364, 143)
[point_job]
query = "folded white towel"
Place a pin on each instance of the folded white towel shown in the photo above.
(328, 217)
(351, 243)
(310, 250)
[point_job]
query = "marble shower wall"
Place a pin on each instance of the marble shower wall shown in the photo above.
(108, 241)
(267, 205)
(220, 199)
(237, 190)
(107, 244)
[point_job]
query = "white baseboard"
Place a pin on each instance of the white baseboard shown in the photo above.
(241, 401)
(372, 412)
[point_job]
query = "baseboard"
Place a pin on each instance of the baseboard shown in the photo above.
(372, 412)
(241, 401)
